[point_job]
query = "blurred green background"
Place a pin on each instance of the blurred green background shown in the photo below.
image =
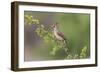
(75, 26)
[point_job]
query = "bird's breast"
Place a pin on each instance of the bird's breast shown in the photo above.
(57, 36)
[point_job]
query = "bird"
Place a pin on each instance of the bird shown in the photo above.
(59, 35)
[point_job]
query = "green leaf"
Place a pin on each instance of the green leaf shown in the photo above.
(29, 20)
(69, 57)
(83, 53)
(54, 50)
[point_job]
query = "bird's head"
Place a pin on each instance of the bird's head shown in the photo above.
(55, 25)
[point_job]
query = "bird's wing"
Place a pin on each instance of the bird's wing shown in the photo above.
(61, 34)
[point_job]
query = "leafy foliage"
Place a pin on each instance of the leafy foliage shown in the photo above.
(29, 20)
(47, 36)
(83, 52)
(82, 55)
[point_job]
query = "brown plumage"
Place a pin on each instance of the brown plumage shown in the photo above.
(60, 36)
